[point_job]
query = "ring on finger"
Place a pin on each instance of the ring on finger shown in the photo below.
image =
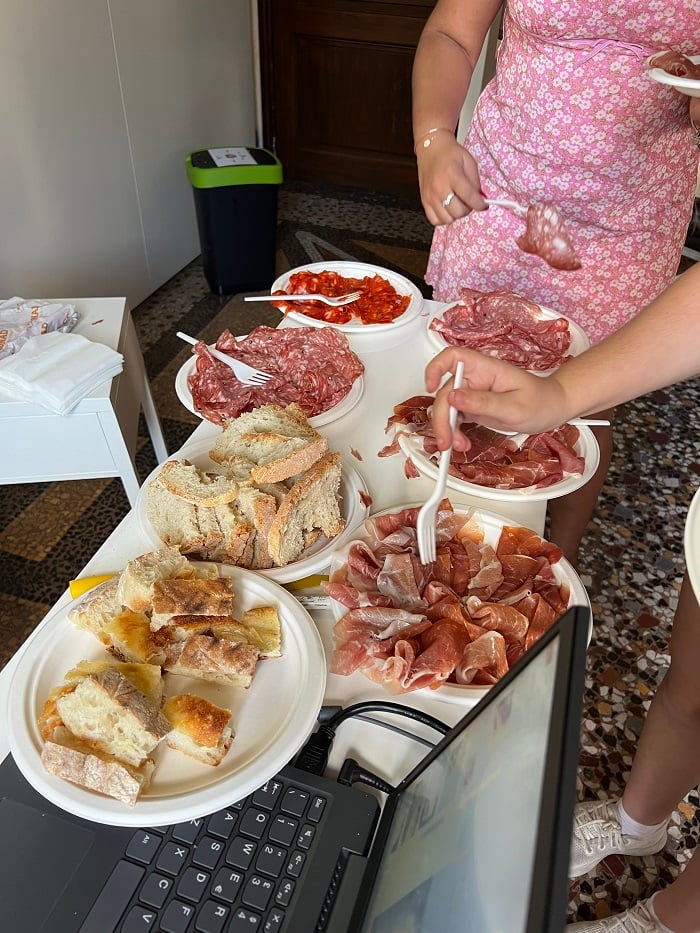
(448, 199)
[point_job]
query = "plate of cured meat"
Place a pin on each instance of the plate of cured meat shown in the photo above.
(387, 303)
(453, 627)
(510, 327)
(315, 369)
(678, 71)
(538, 467)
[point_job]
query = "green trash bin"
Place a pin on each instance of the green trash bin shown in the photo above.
(235, 199)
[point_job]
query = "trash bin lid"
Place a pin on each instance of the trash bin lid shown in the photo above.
(233, 165)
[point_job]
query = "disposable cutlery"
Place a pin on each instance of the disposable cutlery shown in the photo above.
(246, 374)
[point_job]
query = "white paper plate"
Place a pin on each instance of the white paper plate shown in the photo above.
(579, 340)
(271, 719)
(586, 446)
(691, 543)
(492, 524)
(345, 405)
(356, 270)
(689, 86)
(316, 558)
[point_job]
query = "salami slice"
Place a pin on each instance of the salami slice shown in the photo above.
(546, 236)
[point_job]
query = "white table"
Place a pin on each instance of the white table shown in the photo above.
(391, 376)
(98, 437)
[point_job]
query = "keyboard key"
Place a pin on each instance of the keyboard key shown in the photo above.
(155, 890)
(271, 860)
(257, 892)
(285, 892)
(221, 824)
(296, 863)
(240, 852)
(193, 885)
(187, 832)
(211, 918)
(283, 830)
(226, 884)
(207, 852)
(253, 823)
(294, 801)
(143, 846)
(139, 920)
(274, 921)
(172, 858)
(244, 921)
(177, 917)
(266, 796)
(318, 805)
(306, 836)
(113, 898)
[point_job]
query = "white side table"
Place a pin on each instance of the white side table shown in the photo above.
(98, 437)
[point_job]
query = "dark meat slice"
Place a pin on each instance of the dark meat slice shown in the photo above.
(677, 64)
(546, 236)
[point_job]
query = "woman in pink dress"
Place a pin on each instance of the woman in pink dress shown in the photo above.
(571, 118)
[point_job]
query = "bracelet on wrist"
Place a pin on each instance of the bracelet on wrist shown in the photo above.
(426, 140)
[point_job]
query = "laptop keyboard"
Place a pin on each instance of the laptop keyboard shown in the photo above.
(238, 869)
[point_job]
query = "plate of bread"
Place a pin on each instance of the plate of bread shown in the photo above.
(265, 494)
(166, 693)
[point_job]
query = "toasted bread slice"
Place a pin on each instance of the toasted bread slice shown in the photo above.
(191, 598)
(199, 728)
(215, 659)
(200, 487)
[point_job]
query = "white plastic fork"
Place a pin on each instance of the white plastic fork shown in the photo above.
(326, 299)
(509, 205)
(246, 374)
(425, 524)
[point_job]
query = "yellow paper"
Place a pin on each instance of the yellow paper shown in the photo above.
(78, 587)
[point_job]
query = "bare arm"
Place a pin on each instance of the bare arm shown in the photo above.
(657, 348)
(447, 53)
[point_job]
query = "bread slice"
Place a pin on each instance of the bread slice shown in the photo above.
(215, 659)
(178, 628)
(129, 637)
(259, 627)
(67, 757)
(279, 441)
(137, 579)
(259, 509)
(109, 713)
(199, 728)
(175, 520)
(97, 607)
(200, 487)
(192, 598)
(312, 505)
(238, 536)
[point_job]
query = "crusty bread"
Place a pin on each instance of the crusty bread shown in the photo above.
(259, 627)
(215, 659)
(177, 628)
(128, 637)
(279, 441)
(175, 520)
(259, 509)
(137, 579)
(191, 597)
(199, 728)
(76, 761)
(97, 607)
(107, 711)
(200, 487)
(310, 506)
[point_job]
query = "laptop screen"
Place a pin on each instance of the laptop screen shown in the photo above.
(462, 844)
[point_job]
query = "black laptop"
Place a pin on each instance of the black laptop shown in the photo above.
(475, 839)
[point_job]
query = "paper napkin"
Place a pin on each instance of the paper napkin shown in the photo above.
(57, 370)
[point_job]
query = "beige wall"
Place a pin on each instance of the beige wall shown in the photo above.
(100, 101)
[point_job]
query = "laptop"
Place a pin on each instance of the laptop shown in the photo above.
(475, 839)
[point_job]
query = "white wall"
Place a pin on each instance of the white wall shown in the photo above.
(100, 102)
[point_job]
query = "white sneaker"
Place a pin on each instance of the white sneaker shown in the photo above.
(597, 834)
(635, 920)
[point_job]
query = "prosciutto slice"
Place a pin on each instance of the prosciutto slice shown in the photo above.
(464, 619)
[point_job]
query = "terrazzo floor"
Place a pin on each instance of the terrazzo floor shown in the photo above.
(632, 558)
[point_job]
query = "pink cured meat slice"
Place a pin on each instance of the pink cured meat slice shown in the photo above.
(546, 236)
(677, 64)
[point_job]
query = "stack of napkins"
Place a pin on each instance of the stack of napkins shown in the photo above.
(57, 370)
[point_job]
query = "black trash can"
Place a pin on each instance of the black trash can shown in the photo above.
(235, 198)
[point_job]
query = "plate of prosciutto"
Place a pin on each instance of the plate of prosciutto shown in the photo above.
(453, 627)
(681, 72)
(314, 368)
(388, 302)
(542, 466)
(510, 327)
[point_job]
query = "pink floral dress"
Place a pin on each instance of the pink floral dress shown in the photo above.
(572, 117)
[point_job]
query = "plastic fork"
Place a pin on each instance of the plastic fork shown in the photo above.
(246, 374)
(336, 302)
(425, 524)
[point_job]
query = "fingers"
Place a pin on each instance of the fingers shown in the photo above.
(449, 183)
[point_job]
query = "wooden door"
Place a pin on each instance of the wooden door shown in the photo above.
(336, 89)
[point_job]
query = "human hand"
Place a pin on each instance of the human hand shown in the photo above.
(694, 113)
(493, 393)
(449, 181)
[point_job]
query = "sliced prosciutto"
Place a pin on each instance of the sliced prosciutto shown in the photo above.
(464, 619)
(311, 366)
(507, 326)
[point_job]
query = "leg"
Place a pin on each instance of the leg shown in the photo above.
(569, 515)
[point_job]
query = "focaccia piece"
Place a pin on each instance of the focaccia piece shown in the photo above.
(138, 577)
(200, 729)
(215, 659)
(191, 598)
(259, 626)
